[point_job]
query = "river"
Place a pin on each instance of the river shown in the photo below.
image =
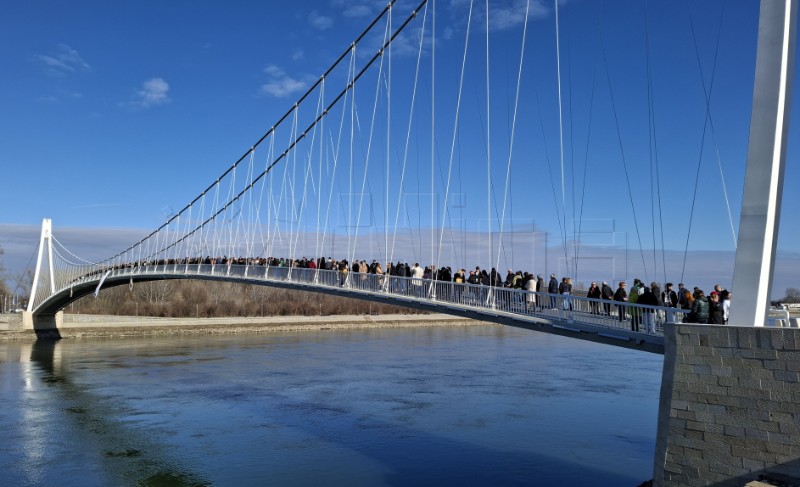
(461, 405)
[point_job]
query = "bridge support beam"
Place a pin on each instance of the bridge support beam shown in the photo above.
(766, 163)
(730, 405)
(44, 323)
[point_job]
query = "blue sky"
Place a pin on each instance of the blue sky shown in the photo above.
(114, 115)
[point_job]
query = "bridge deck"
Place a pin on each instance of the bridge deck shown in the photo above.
(576, 316)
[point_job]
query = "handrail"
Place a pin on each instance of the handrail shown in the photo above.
(566, 309)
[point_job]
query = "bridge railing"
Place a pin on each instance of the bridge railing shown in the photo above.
(563, 310)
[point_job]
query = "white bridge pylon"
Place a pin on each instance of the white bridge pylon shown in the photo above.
(45, 245)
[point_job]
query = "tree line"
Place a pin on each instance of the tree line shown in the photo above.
(209, 299)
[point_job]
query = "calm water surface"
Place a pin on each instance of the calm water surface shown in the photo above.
(482, 406)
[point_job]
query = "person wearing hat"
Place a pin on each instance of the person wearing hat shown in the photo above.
(594, 293)
(509, 282)
(621, 296)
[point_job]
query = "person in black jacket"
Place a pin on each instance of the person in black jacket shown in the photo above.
(715, 312)
(648, 298)
(699, 313)
(607, 294)
(552, 289)
(621, 295)
(594, 293)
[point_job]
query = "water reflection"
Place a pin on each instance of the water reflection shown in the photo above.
(126, 456)
(473, 406)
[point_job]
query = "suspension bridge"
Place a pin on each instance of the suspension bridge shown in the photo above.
(367, 166)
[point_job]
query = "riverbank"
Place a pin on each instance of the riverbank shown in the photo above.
(107, 326)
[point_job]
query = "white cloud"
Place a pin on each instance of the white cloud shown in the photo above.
(62, 62)
(298, 55)
(354, 11)
(279, 84)
(504, 14)
(507, 15)
(319, 21)
(154, 91)
(61, 96)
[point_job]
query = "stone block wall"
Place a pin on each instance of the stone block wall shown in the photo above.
(730, 405)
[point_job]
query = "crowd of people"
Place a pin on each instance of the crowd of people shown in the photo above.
(695, 306)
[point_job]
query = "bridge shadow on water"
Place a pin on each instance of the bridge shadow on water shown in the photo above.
(405, 460)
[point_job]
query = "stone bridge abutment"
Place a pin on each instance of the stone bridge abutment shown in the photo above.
(729, 410)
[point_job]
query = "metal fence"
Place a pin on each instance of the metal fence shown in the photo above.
(485, 299)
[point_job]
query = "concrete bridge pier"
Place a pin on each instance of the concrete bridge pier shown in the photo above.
(729, 410)
(45, 325)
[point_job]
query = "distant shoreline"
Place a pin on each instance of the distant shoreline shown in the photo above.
(108, 326)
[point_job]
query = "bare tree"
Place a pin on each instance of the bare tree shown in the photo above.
(209, 299)
(156, 292)
(792, 295)
(5, 293)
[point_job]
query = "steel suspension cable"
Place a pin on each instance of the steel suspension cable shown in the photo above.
(308, 174)
(561, 126)
(388, 153)
(707, 95)
(350, 72)
(369, 142)
(455, 131)
(707, 121)
(401, 186)
(585, 169)
(513, 132)
(622, 151)
(280, 121)
(488, 146)
(561, 230)
(653, 146)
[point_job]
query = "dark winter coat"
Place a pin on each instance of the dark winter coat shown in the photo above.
(700, 310)
(715, 313)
